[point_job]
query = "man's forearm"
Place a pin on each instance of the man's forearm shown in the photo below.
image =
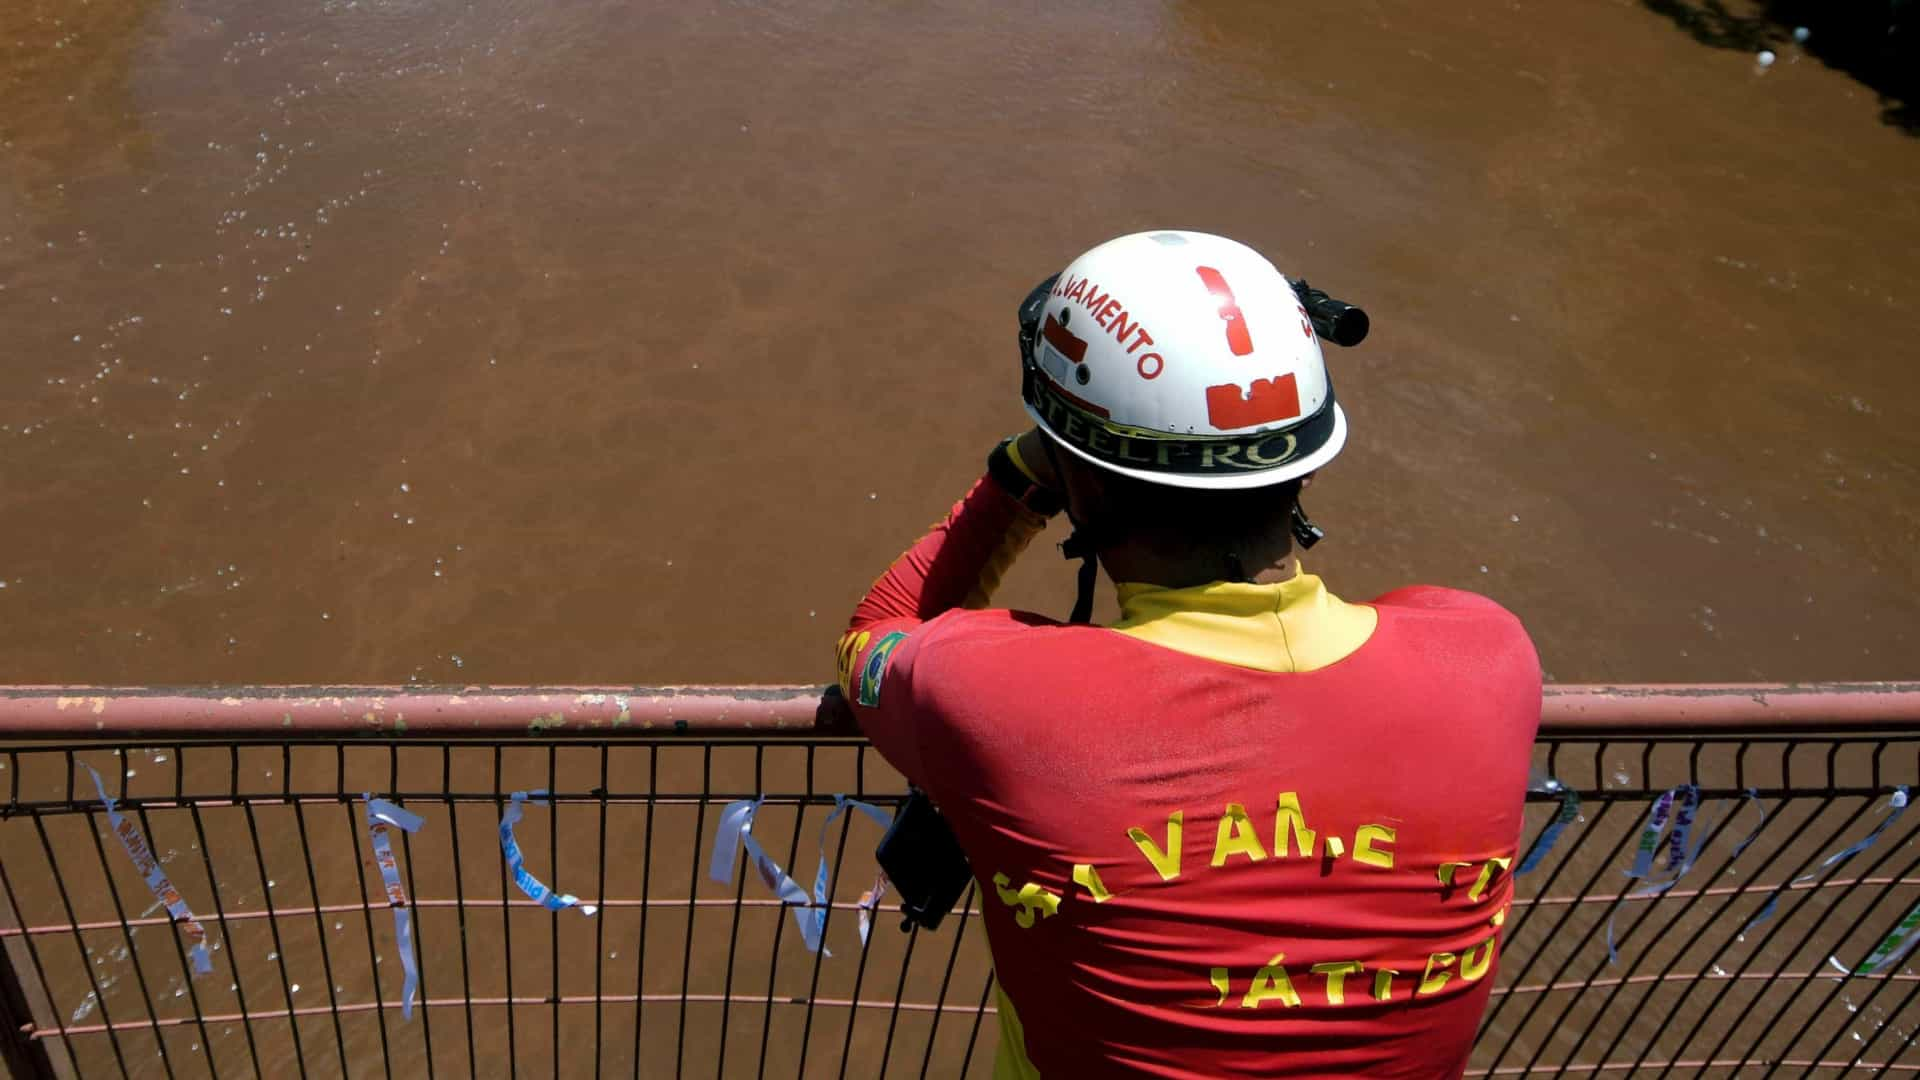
(957, 564)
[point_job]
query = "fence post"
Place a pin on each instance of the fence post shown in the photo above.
(26, 1056)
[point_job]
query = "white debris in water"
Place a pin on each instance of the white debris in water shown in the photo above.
(1801, 34)
(293, 989)
(1765, 57)
(85, 1007)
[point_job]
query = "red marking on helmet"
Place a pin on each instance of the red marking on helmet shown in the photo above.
(1082, 402)
(1269, 401)
(1073, 348)
(1238, 339)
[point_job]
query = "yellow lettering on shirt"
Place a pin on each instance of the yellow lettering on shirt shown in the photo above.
(1383, 984)
(1287, 819)
(1478, 959)
(1366, 846)
(850, 646)
(1445, 873)
(1003, 885)
(1236, 836)
(1085, 876)
(1487, 871)
(1436, 975)
(1337, 978)
(1033, 901)
(1218, 977)
(1166, 861)
(1271, 982)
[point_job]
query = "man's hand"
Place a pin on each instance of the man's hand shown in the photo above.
(1031, 451)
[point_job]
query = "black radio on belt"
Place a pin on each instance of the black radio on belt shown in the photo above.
(924, 862)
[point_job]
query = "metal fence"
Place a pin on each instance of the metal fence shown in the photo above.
(1733, 953)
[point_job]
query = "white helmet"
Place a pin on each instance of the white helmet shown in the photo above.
(1180, 358)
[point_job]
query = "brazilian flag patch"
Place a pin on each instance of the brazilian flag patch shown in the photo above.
(875, 670)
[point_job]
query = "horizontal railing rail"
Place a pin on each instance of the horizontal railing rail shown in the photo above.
(69, 712)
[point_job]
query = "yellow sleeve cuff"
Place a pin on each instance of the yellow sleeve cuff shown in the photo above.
(1013, 455)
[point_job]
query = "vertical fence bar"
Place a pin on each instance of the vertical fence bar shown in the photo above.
(646, 905)
(693, 890)
(600, 923)
(460, 906)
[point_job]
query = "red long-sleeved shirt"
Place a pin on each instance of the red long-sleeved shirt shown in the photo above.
(1250, 830)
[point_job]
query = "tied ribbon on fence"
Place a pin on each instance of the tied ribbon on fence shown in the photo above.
(1897, 804)
(1568, 813)
(809, 911)
(1905, 935)
(382, 816)
(1683, 803)
(148, 866)
(532, 886)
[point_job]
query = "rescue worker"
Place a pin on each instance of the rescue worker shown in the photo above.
(1249, 829)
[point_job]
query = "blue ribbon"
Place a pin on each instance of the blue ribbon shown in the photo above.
(516, 862)
(809, 910)
(1682, 802)
(1569, 812)
(1897, 803)
(382, 815)
(147, 864)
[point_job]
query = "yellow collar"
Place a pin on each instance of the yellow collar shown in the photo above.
(1293, 625)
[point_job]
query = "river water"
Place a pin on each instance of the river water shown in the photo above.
(505, 342)
(382, 341)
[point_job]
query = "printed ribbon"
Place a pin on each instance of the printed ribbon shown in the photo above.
(1897, 803)
(809, 912)
(382, 816)
(509, 847)
(149, 868)
(1568, 813)
(1905, 935)
(1683, 803)
(1681, 857)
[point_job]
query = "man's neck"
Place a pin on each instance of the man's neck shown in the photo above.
(1135, 561)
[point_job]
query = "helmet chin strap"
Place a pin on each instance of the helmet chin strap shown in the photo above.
(1305, 532)
(1084, 543)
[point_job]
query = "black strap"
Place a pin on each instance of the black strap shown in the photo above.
(1084, 544)
(1080, 546)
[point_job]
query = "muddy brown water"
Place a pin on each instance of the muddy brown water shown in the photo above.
(616, 343)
